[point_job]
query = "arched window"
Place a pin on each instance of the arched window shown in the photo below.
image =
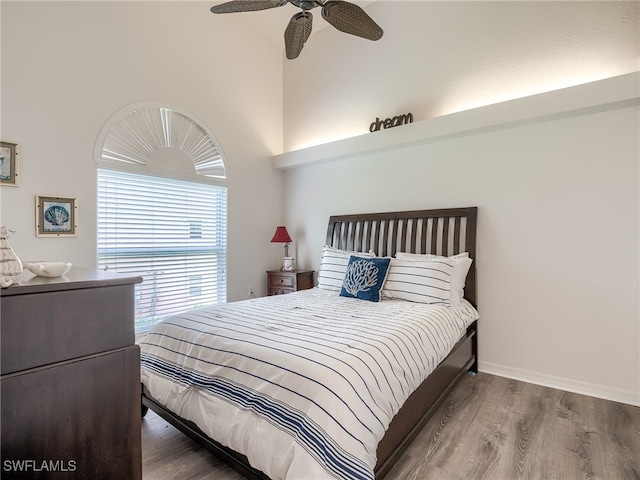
(162, 209)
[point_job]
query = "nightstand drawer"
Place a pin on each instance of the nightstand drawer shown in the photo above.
(286, 280)
(280, 291)
(280, 281)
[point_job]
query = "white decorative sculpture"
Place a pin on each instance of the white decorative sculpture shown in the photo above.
(10, 264)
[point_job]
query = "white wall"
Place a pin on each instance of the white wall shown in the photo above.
(67, 67)
(558, 226)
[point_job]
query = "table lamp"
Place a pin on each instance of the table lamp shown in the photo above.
(282, 236)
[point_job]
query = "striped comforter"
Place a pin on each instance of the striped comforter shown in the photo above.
(303, 384)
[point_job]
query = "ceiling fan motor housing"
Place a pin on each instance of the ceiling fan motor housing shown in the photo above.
(305, 4)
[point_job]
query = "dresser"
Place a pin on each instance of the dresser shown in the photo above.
(279, 282)
(70, 384)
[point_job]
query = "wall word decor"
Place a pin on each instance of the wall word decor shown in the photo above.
(391, 122)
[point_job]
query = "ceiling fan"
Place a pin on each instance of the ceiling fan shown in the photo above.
(345, 16)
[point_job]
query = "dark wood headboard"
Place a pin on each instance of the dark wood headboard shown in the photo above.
(441, 232)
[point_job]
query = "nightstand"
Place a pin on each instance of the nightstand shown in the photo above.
(279, 282)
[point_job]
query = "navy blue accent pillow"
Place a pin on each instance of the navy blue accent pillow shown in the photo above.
(365, 278)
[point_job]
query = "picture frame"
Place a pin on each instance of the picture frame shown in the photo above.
(56, 216)
(9, 160)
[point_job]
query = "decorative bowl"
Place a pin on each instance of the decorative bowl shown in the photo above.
(48, 269)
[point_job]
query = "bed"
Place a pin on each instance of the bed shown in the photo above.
(320, 403)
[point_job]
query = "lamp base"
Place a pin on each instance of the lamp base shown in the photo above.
(288, 264)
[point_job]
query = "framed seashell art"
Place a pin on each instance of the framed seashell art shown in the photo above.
(56, 216)
(9, 163)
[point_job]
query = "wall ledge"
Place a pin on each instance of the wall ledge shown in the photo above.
(608, 94)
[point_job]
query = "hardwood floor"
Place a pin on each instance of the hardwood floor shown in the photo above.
(489, 428)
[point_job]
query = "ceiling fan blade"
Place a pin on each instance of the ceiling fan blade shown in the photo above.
(350, 18)
(297, 32)
(247, 5)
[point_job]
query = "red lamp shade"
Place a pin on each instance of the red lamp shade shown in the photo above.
(281, 235)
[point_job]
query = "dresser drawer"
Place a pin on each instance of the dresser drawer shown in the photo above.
(83, 414)
(44, 328)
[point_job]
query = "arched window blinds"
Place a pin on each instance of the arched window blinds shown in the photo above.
(162, 210)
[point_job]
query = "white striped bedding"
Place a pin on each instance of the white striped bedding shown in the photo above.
(303, 384)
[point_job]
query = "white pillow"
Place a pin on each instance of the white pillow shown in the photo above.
(425, 281)
(333, 267)
(462, 264)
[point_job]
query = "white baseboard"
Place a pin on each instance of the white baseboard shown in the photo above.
(585, 388)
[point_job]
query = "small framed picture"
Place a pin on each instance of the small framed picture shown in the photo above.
(8, 164)
(56, 216)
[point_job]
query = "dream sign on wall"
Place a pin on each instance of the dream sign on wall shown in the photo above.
(391, 122)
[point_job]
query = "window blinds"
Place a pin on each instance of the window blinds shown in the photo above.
(172, 233)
